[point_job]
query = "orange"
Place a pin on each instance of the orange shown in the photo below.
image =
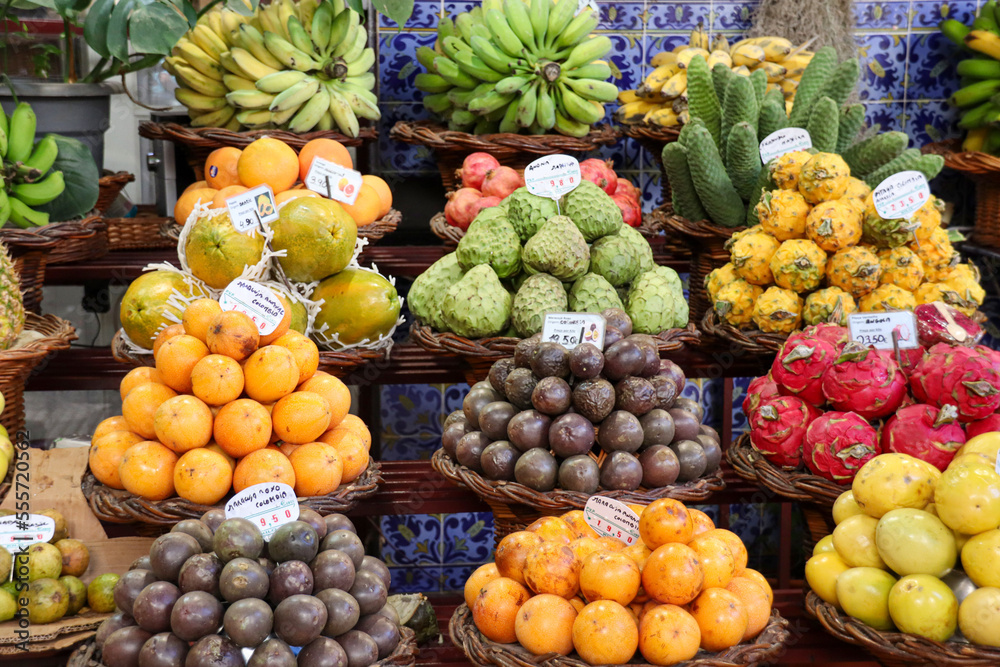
(233, 334)
(755, 600)
(721, 617)
(353, 453)
(220, 167)
(582, 547)
(217, 379)
(269, 374)
(758, 578)
(165, 334)
(668, 635)
(611, 543)
(304, 350)
(364, 210)
(264, 465)
(242, 427)
(147, 470)
(355, 425)
(177, 358)
(282, 327)
(203, 476)
(195, 186)
(212, 447)
(610, 576)
(495, 609)
(219, 200)
(330, 150)
(106, 455)
(287, 195)
(109, 425)
(578, 604)
(182, 423)
(139, 407)
(198, 317)
(702, 522)
(673, 574)
(137, 376)
(578, 524)
(269, 161)
(544, 624)
(187, 201)
(512, 552)
(552, 529)
(716, 560)
(735, 545)
(551, 567)
(382, 189)
(334, 391)
(318, 469)
(605, 633)
(482, 576)
(300, 417)
(665, 520)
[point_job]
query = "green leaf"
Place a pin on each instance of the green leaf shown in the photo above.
(95, 28)
(240, 7)
(357, 5)
(155, 28)
(118, 30)
(64, 7)
(81, 175)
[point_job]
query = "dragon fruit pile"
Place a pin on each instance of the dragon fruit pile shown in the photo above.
(830, 404)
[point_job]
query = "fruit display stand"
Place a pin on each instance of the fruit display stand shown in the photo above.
(983, 170)
(111, 185)
(73, 240)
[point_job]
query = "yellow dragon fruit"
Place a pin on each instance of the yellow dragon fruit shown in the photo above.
(965, 280)
(782, 214)
(734, 303)
(887, 297)
(937, 254)
(751, 255)
(828, 305)
(731, 241)
(798, 265)
(824, 178)
(785, 169)
(834, 225)
(931, 292)
(901, 267)
(719, 278)
(856, 189)
(855, 270)
(778, 311)
(928, 218)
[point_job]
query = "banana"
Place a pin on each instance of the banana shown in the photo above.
(719, 58)
(976, 93)
(663, 58)
(227, 61)
(198, 59)
(464, 24)
(365, 81)
(453, 74)
(280, 81)
(4, 206)
(516, 13)
(426, 56)
(494, 58)
(254, 117)
(3, 142)
(628, 96)
(720, 43)
(249, 99)
(4, 126)
(488, 103)
(325, 123)
(231, 22)
(41, 192)
(340, 109)
(462, 97)
(251, 65)
(474, 66)
(596, 70)
(589, 89)
(362, 105)
(213, 118)
(213, 21)
(527, 106)
(363, 64)
(295, 96)
(776, 49)
(437, 103)
(502, 34)
(581, 26)
(234, 82)
(508, 124)
(252, 40)
(588, 51)
(699, 38)
(321, 26)
(512, 84)
(656, 79)
(463, 118)
(954, 31)
(24, 216)
(539, 15)
(453, 45)
(795, 65)
(287, 54)
(570, 127)
(545, 110)
(195, 101)
(788, 87)
(578, 108)
(985, 42)
(676, 85)
(560, 16)
(268, 18)
(664, 117)
(685, 56)
(747, 55)
(432, 83)
(305, 11)
(286, 10)
(979, 69)
(352, 45)
(742, 70)
(197, 81)
(208, 40)
(44, 155)
(21, 137)
(635, 111)
(311, 112)
(774, 71)
(341, 30)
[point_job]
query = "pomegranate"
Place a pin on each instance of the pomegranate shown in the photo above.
(601, 173)
(627, 188)
(631, 213)
(485, 202)
(461, 210)
(501, 181)
(474, 168)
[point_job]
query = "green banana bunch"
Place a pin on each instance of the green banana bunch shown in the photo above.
(28, 179)
(518, 66)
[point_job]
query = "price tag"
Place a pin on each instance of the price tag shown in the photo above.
(268, 505)
(572, 329)
(784, 141)
(256, 302)
(612, 518)
(252, 208)
(876, 329)
(17, 535)
(333, 181)
(901, 195)
(552, 176)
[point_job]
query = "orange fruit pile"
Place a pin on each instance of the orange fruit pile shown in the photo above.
(225, 408)
(558, 587)
(230, 171)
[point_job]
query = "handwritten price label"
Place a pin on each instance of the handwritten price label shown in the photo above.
(17, 535)
(267, 505)
(572, 329)
(256, 302)
(901, 195)
(552, 176)
(252, 208)
(612, 518)
(334, 181)
(784, 141)
(876, 329)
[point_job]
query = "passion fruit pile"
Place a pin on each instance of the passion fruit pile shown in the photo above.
(213, 593)
(584, 419)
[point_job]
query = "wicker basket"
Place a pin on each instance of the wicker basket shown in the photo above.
(765, 649)
(111, 185)
(515, 506)
(78, 240)
(653, 138)
(118, 506)
(450, 234)
(753, 341)
(30, 252)
(512, 150)
(983, 170)
(143, 231)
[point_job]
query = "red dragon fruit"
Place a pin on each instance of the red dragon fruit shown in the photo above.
(908, 358)
(988, 425)
(993, 356)
(866, 381)
(798, 369)
(601, 173)
(933, 326)
(959, 376)
(474, 168)
(777, 428)
(834, 334)
(925, 432)
(837, 444)
(758, 390)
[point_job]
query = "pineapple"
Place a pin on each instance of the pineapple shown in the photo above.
(828, 305)
(798, 265)
(887, 297)
(11, 304)
(719, 278)
(964, 279)
(931, 292)
(734, 303)
(824, 178)
(901, 267)
(751, 255)
(928, 218)
(785, 169)
(738, 235)
(937, 254)
(782, 214)
(834, 225)
(778, 311)
(855, 270)
(856, 189)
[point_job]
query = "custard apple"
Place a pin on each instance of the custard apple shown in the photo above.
(614, 258)
(592, 294)
(491, 241)
(540, 294)
(558, 248)
(478, 305)
(654, 301)
(640, 245)
(428, 290)
(527, 212)
(592, 210)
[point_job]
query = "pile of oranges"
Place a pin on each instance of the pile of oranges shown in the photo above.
(557, 587)
(230, 171)
(225, 408)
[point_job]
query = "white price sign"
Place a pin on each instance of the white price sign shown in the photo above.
(612, 518)
(252, 208)
(255, 301)
(267, 505)
(876, 329)
(552, 176)
(572, 329)
(334, 181)
(901, 195)
(784, 141)
(16, 535)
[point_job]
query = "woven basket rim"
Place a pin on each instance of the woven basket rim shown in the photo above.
(975, 163)
(434, 135)
(441, 229)
(217, 137)
(57, 334)
(754, 341)
(794, 484)
(649, 131)
(701, 229)
(48, 236)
